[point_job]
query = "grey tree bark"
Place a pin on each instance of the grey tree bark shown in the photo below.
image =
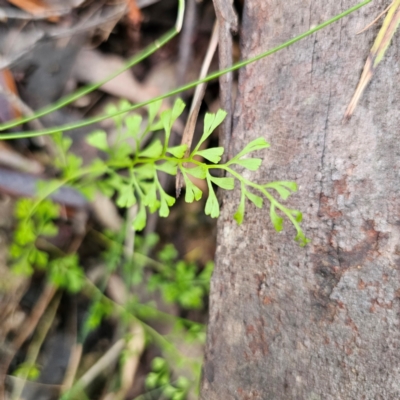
(320, 322)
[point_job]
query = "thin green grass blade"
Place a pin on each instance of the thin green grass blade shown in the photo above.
(183, 88)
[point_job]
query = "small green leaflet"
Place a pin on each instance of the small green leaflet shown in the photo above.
(298, 216)
(177, 110)
(166, 201)
(112, 109)
(73, 164)
(23, 208)
(168, 117)
(45, 189)
(169, 199)
(112, 183)
(282, 188)
(192, 191)
(198, 172)
(88, 191)
(64, 143)
(65, 272)
(145, 187)
(276, 220)
(150, 200)
(15, 250)
(38, 258)
(300, 237)
(257, 200)
(121, 152)
(154, 206)
(212, 206)
(257, 144)
(27, 370)
(145, 171)
(48, 210)
(48, 229)
(211, 121)
(151, 380)
(105, 188)
(98, 139)
(154, 150)
(97, 168)
(224, 183)
(153, 110)
(168, 167)
(124, 105)
(156, 126)
(251, 164)
(98, 310)
(126, 197)
(239, 214)
(140, 221)
(177, 151)
(133, 124)
(22, 267)
(214, 154)
(165, 120)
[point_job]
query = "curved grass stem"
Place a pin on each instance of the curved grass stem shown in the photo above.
(181, 89)
(90, 88)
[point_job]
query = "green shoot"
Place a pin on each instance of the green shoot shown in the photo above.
(141, 185)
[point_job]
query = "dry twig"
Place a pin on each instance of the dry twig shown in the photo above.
(187, 136)
(376, 54)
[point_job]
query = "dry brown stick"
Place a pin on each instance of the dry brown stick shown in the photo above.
(108, 359)
(32, 321)
(378, 50)
(37, 341)
(73, 365)
(26, 330)
(187, 136)
(228, 25)
(135, 345)
(76, 352)
(50, 387)
(186, 41)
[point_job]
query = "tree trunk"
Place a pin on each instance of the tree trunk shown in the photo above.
(320, 322)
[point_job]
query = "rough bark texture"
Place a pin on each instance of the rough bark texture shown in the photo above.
(320, 322)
